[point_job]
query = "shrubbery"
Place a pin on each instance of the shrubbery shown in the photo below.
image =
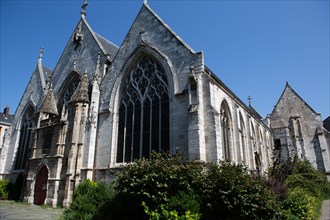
(87, 200)
(300, 204)
(4, 189)
(169, 187)
(230, 192)
(307, 188)
(172, 188)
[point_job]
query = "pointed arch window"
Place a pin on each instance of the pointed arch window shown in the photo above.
(226, 130)
(242, 137)
(143, 112)
(67, 91)
(24, 139)
(253, 137)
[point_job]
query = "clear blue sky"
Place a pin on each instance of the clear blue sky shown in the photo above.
(253, 46)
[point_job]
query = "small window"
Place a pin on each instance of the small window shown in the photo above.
(277, 144)
(47, 141)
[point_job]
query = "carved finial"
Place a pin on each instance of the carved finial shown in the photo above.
(49, 82)
(41, 52)
(249, 99)
(84, 6)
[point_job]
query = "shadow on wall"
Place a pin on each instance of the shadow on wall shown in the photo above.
(318, 152)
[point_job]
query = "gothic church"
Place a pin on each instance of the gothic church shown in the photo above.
(104, 106)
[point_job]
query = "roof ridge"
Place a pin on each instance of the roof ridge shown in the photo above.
(100, 36)
(168, 27)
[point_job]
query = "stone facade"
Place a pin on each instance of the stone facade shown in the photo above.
(103, 106)
(298, 131)
(6, 121)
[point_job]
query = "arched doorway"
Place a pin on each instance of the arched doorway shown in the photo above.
(40, 189)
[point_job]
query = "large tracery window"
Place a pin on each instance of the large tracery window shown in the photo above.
(143, 112)
(24, 139)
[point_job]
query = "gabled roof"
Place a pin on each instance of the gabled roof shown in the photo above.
(47, 71)
(288, 88)
(249, 108)
(255, 112)
(106, 46)
(6, 119)
(109, 47)
(326, 123)
(145, 4)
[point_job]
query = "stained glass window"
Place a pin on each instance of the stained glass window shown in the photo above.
(24, 139)
(226, 130)
(143, 112)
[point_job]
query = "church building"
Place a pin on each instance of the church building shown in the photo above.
(104, 106)
(298, 131)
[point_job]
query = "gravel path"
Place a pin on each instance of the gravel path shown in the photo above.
(20, 211)
(325, 211)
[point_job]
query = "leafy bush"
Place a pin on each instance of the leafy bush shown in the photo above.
(164, 214)
(87, 200)
(4, 189)
(169, 187)
(155, 182)
(307, 188)
(229, 192)
(300, 204)
(183, 202)
(173, 185)
(300, 181)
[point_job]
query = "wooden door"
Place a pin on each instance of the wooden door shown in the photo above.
(40, 189)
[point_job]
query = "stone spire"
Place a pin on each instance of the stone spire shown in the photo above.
(48, 104)
(81, 93)
(40, 69)
(83, 7)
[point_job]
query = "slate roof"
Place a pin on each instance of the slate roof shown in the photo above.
(106, 46)
(110, 48)
(47, 71)
(6, 119)
(168, 27)
(326, 123)
(249, 108)
(290, 89)
(255, 112)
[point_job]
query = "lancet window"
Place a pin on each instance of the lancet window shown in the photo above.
(242, 137)
(226, 130)
(143, 112)
(67, 93)
(24, 139)
(47, 140)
